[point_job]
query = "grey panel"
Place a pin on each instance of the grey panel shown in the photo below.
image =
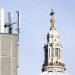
(14, 46)
(3, 45)
(14, 66)
(5, 66)
(6, 45)
(8, 54)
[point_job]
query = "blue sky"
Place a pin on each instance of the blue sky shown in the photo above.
(34, 23)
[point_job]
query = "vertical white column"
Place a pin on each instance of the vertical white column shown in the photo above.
(1, 20)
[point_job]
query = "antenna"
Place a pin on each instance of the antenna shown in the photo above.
(17, 22)
(9, 23)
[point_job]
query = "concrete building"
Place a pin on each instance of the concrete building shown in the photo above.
(8, 54)
(8, 48)
(53, 64)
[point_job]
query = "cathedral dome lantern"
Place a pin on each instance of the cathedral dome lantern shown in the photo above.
(53, 64)
(53, 50)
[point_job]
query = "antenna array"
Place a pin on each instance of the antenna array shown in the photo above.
(9, 24)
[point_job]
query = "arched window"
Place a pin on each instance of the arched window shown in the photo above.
(49, 52)
(59, 53)
(56, 52)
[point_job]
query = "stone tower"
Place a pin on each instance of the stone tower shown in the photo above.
(53, 64)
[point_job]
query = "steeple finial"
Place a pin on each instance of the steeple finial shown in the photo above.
(52, 20)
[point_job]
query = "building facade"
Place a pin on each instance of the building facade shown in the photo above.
(8, 54)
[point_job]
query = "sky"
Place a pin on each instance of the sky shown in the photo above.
(34, 26)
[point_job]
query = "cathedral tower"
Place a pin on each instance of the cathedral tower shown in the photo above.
(53, 63)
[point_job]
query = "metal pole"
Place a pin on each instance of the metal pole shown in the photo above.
(18, 28)
(9, 23)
